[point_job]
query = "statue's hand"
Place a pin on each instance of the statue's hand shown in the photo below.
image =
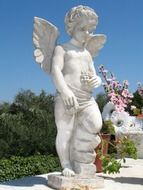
(94, 82)
(69, 99)
(90, 80)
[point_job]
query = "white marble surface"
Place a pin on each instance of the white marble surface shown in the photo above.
(130, 178)
(71, 66)
(77, 115)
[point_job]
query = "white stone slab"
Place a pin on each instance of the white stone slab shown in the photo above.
(59, 182)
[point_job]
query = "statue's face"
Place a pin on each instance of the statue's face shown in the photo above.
(83, 29)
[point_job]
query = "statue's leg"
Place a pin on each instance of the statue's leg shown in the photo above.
(65, 124)
(93, 118)
(86, 139)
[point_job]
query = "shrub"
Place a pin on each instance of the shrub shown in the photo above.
(16, 167)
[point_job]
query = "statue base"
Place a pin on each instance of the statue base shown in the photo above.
(76, 182)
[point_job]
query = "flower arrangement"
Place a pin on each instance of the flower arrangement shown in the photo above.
(116, 123)
(118, 93)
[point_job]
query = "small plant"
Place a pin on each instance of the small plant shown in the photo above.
(108, 128)
(125, 147)
(117, 153)
(112, 152)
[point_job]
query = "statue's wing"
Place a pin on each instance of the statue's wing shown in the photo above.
(95, 43)
(44, 38)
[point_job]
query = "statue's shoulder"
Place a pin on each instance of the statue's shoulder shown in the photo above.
(59, 49)
(62, 49)
(66, 47)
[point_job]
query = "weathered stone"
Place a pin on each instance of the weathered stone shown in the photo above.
(84, 170)
(62, 182)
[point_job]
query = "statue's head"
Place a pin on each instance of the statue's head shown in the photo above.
(76, 14)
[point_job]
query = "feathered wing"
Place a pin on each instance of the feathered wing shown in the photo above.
(95, 43)
(44, 38)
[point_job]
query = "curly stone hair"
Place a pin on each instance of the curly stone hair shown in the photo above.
(72, 17)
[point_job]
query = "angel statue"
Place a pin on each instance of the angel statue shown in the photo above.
(71, 66)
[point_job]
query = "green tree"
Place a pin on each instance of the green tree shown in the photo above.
(137, 100)
(4, 107)
(101, 100)
(27, 125)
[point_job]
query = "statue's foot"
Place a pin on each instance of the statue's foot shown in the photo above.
(68, 172)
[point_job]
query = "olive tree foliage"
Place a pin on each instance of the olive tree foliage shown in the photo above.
(27, 125)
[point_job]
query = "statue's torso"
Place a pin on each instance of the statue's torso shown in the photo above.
(76, 60)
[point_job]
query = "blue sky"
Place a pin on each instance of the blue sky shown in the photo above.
(120, 20)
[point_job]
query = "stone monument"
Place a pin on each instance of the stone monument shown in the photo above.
(77, 115)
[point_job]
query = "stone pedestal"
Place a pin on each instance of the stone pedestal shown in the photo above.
(76, 182)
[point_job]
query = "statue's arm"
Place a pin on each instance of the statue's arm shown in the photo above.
(58, 78)
(57, 66)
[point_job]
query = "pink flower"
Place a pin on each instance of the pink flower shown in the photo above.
(112, 94)
(130, 95)
(125, 93)
(115, 84)
(118, 93)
